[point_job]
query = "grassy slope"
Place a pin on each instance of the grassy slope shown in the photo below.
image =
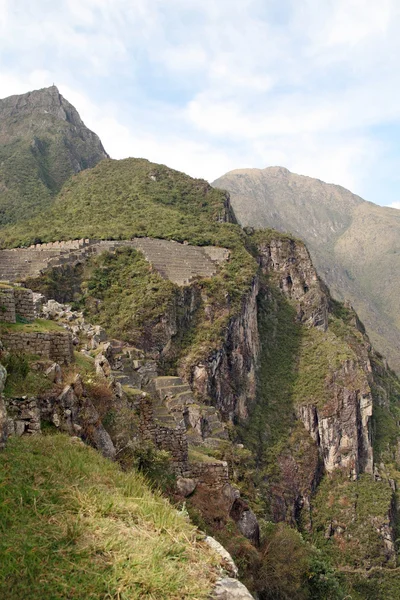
(126, 198)
(73, 526)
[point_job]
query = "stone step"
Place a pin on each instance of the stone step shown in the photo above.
(167, 381)
(172, 391)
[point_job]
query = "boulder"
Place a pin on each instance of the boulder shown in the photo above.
(231, 589)
(185, 485)
(227, 560)
(103, 368)
(54, 373)
(246, 521)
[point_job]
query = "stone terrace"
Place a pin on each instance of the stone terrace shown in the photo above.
(180, 263)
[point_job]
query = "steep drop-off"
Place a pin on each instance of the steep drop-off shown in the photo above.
(355, 244)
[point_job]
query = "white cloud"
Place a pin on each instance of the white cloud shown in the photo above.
(394, 205)
(208, 86)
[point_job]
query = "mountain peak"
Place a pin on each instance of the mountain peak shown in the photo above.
(43, 137)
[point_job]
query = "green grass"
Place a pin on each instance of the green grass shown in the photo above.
(37, 326)
(73, 526)
(359, 508)
(133, 297)
(22, 378)
(126, 198)
(321, 355)
(272, 417)
(199, 456)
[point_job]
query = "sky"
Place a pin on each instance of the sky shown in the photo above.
(207, 86)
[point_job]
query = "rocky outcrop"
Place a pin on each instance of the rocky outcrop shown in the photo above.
(231, 589)
(290, 263)
(342, 426)
(246, 521)
(228, 375)
(73, 412)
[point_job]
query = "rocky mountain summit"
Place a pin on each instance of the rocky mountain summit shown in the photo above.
(354, 244)
(43, 141)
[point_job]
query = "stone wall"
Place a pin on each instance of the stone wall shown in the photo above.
(7, 305)
(15, 302)
(211, 474)
(56, 346)
(24, 303)
(175, 442)
(23, 416)
(67, 245)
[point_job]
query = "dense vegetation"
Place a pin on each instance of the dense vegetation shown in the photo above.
(128, 198)
(72, 525)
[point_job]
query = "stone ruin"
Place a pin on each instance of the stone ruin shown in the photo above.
(179, 263)
(19, 302)
(16, 301)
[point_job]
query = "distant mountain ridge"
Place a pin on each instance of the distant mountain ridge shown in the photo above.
(43, 141)
(354, 244)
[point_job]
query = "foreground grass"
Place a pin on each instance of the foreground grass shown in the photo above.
(73, 526)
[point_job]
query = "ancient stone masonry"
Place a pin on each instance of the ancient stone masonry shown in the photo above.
(3, 424)
(16, 302)
(180, 263)
(56, 346)
(212, 474)
(23, 416)
(7, 305)
(24, 306)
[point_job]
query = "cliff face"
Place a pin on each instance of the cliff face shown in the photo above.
(341, 426)
(228, 376)
(353, 243)
(43, 141)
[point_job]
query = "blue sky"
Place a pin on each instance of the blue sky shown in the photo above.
(206, 86)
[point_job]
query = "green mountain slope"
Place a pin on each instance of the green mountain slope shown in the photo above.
(354, 244)
(43, 142)
(125, 198)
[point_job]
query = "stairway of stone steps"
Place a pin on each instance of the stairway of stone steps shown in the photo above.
(204, 421)
(173, 402)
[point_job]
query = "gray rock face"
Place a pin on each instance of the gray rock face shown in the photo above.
(228, 376)
(227, 560)
(3, 377)
(185, 485)
(298, 279)
(246, 521)
(231, 589)
(3, 424)
(342, 428)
